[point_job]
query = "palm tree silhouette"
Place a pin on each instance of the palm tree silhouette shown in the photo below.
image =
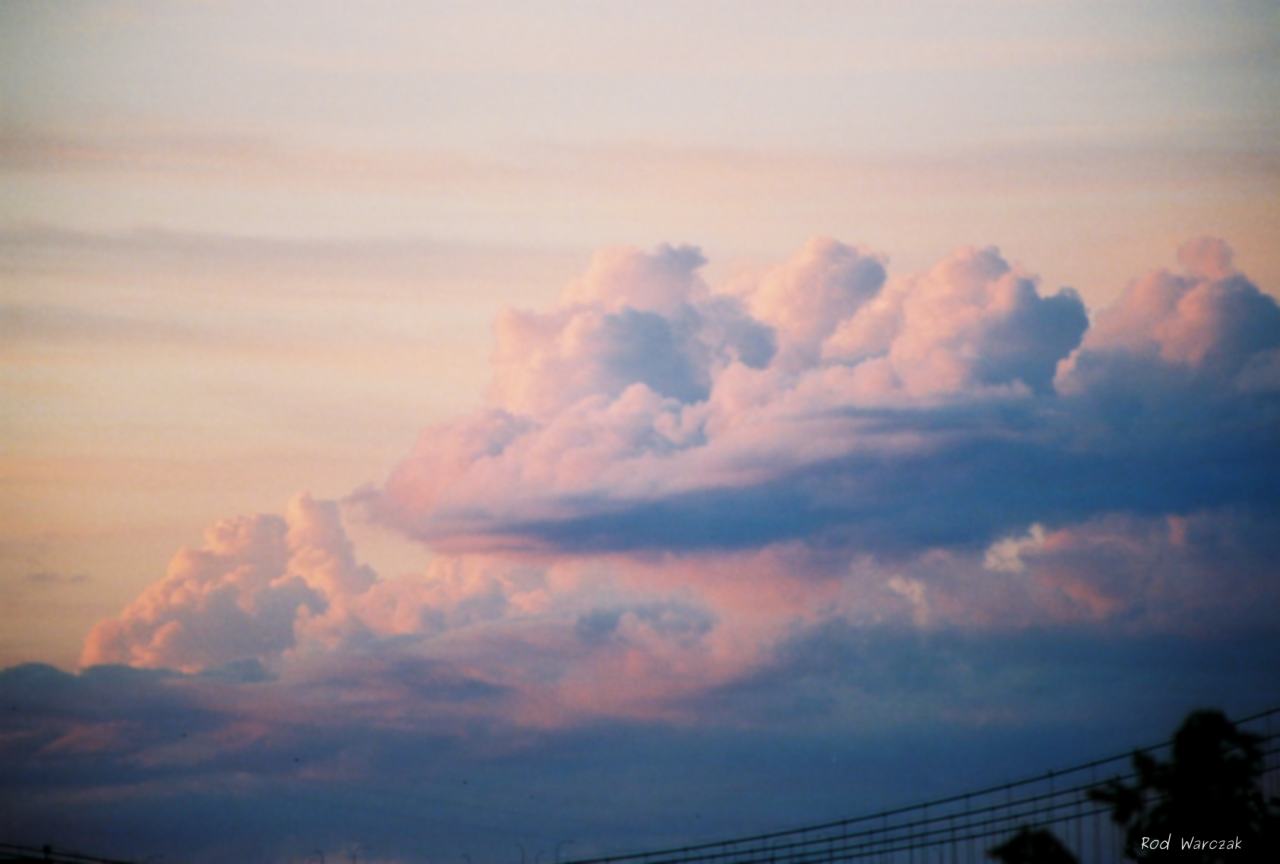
(1207, 791)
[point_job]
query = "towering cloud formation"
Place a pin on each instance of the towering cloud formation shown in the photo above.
(241, 595)
(670, 483)
(1209, 326)
(970, 323)
(634, 318)
(805, 299)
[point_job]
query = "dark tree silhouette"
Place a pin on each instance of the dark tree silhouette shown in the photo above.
(1032, 846)
(1207, 792)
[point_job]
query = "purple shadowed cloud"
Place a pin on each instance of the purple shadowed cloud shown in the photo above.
(822, 498)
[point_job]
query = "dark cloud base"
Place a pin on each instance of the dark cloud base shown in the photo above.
(138, 763)
(963, 496)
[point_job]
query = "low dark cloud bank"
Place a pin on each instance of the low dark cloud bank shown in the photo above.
(842, 720)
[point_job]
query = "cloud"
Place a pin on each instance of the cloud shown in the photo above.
(947, 407)
(806, 298)
(1208, 326)
(559, 642)
(711, 539)
(133, 763)
(633, 318)
(971, 322)
(1199, 573)
(239, 595)
(671, 485)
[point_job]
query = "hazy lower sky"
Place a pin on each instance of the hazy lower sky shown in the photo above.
(465, 408)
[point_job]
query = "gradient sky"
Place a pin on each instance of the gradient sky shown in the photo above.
(429, 428)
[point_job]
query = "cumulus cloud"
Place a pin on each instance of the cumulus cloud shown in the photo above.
(1208, 325)
(944, 512)
(239, 595)
(971, 322)
(888, 404)
(634, 318)
(806, 298)
(671, 484)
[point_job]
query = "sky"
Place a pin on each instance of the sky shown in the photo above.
(454, 432)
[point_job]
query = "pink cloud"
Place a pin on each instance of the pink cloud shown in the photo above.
(972, 321)
(548, 642)
(649, 511)
(1195, 573)
(238, 596)
(807, 297)
(1208, 323)
(634, 318)
(642, 384)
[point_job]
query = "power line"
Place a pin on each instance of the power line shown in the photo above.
(956, 822)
